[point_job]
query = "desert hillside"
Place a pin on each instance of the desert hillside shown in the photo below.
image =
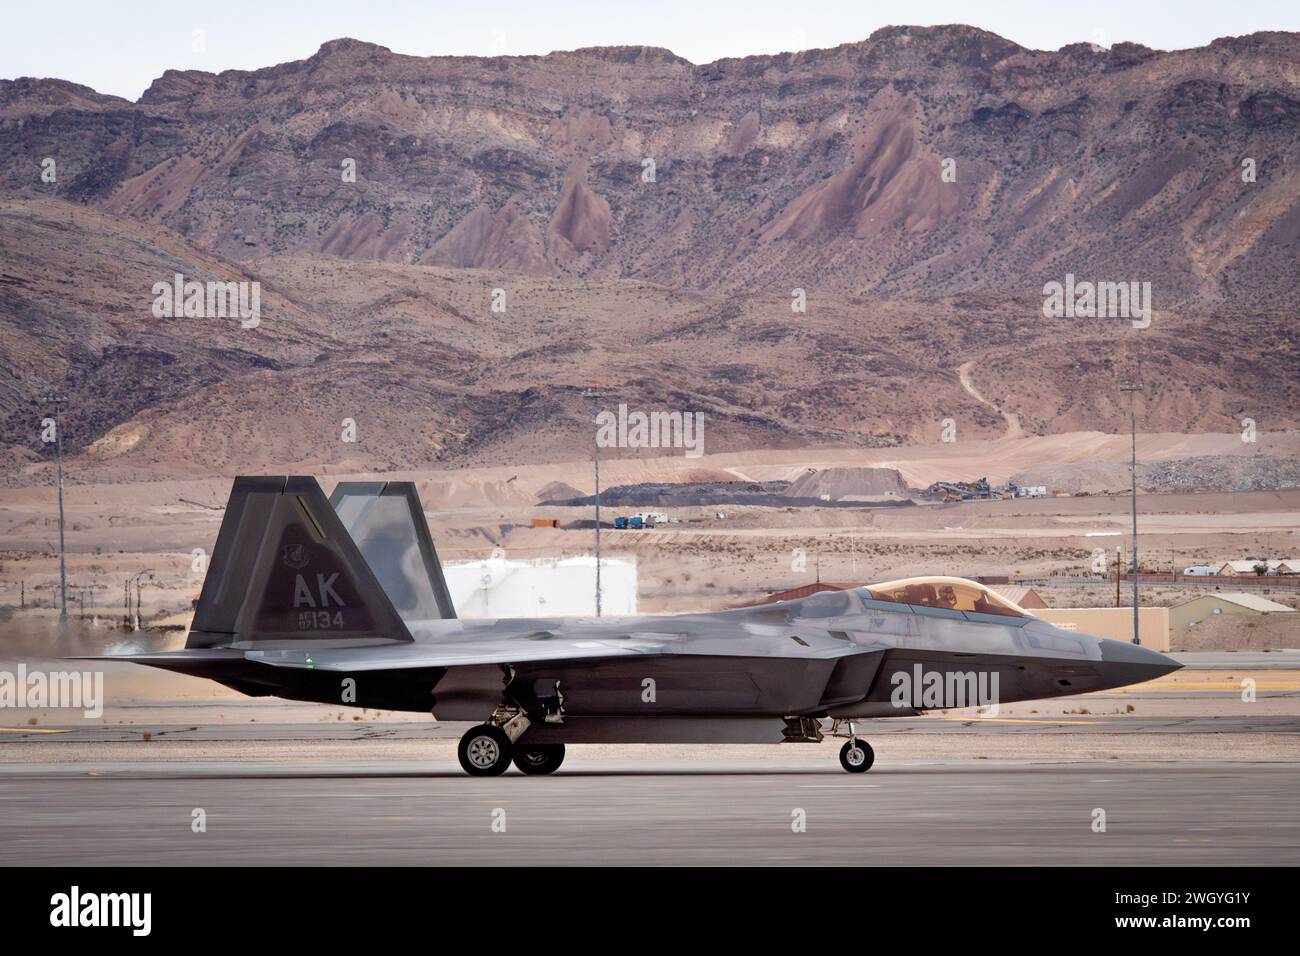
(645, 223)
(814, 169)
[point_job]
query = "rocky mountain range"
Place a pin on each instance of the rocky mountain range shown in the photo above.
(647, 224)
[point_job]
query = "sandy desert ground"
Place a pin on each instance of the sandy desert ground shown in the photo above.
(709, 556)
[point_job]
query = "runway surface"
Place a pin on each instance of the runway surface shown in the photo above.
(1186, 772)
(1239, 660)
(1127, 724)
(647, 813)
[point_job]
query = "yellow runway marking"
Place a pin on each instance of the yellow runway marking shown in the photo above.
(29, 730)
(1017, 720)
(1224, 679)
(1261, 683)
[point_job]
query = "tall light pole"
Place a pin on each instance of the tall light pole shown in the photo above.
(1132, 388)
(55, 400)
(135, 621)
(595, 459)
(593, 391)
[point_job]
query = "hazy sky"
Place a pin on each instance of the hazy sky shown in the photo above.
(120, 47)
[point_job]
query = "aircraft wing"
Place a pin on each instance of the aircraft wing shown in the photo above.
(514, 648)
(397, 657)
(503, 650)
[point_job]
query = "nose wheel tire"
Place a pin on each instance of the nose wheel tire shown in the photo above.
(485, 751)
(856, 756)
(539, 758)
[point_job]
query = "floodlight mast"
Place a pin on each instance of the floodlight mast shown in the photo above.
(593, 391)
(1132, 387)
(55, 400)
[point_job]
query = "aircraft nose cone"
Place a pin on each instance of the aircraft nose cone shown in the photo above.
(1132, 663)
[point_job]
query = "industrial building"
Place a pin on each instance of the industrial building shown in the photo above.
(1247, 568)
(501, 587)
(1193, 610)
(1113, 622)
(1020, 595)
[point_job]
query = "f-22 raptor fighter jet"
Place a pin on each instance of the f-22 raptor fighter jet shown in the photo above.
(343, 600)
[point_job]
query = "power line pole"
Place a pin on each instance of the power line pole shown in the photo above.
(1132, 388)
(54, 399)
(595, 458)
(593, 391)
(63, 563)
(1119, 570)
(134, 622)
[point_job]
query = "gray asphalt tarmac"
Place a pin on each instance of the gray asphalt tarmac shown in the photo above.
(1239, 660)
(346, 793)
(669, 812)
(365, 730)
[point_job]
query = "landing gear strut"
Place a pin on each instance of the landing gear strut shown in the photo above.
(856, 756)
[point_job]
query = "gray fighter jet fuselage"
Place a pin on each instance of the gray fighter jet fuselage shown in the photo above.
(343, 602)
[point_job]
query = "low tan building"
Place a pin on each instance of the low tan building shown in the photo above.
(1113, 622)
(1020, 595)
(1193, 610)
(1247, 568)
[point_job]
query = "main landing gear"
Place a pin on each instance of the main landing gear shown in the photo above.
(485, 751)
(539, 758)
(856, 756)
(488, 749)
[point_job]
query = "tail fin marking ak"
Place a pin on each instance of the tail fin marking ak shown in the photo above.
(285, 571)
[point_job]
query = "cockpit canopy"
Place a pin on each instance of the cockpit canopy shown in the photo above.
(957, 594)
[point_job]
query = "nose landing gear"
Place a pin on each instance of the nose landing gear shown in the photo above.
(856, 756)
